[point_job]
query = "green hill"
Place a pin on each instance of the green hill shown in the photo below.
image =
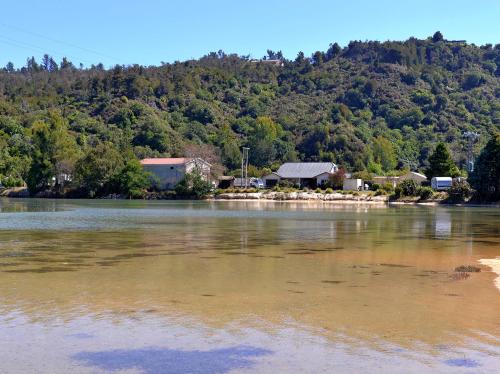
(373, 106)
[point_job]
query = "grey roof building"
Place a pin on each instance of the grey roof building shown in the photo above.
(309, 174)
(305, 170)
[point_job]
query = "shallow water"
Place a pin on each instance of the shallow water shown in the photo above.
(237, 287)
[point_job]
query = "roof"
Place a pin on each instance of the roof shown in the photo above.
(170, 161)
(225, 177)
(442, 179)
(416, 174)
(165, 161)
(389, 177)
(305, 169)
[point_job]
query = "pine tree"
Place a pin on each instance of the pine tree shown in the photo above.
(441, 164)
(485, 178)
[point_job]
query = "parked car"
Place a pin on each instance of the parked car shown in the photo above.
(256, 183)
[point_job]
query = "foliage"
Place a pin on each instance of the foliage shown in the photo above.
(441, 163)
(10, 181)
(96, 168)
(460, 191)
(426, 193)
(408, 187)
(336, 180)
(383, 153)
(132, 180)
(54, 152)
(387, 188)
(370, 107)
(485, 178)
(193, 185)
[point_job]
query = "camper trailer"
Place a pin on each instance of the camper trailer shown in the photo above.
(441, 183)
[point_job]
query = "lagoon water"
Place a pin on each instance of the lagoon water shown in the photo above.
(246, 287)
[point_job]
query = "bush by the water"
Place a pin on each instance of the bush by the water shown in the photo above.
(194, 185)
(460, 191)
(10, 182)
(426, 193)
(407, 187)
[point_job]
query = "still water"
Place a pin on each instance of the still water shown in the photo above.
(246, 287)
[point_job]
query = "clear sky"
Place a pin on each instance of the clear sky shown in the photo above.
(150, 31)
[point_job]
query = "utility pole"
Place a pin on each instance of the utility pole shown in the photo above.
(471, 139)
(244, 166)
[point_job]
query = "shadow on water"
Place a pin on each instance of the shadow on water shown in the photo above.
(462, 362)
(161, 360)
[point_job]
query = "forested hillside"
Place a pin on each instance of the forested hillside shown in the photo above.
(369, 106)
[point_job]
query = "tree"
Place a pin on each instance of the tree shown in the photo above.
(485, 178)
(261, 141)
(200, 111)
(441, 164)
(41, 168)
(97, 167)
(437, 37)
(152, 132)
(9, 67)
(332, 51)
(473, 80)
(336, 180)
(383, 153)
(132, 180)
(459, 192)
(54, 153)
(193, 184)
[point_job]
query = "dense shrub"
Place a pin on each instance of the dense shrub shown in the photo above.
(460, 191)
(425, 193)
(9, 182)
(193, 185)
(285, 183)
(387, 187)
(407, 187)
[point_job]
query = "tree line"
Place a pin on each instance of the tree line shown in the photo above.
(371, 107)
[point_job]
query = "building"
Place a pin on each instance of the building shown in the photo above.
(394, 181)
(352, 185)
(302, 174)
(381, 180)
(274, 62)
(225, 181)
(171, 171)
(413, 175)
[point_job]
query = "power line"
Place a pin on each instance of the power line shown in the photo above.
(61, 42)
(31, 47)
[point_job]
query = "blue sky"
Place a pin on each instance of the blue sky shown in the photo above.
(150, 31)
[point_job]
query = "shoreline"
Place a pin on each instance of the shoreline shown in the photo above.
(494, 264)
(359, 198)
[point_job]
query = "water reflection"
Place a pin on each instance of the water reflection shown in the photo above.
(367, 279)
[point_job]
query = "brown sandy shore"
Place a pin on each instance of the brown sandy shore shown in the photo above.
(337, 198)
(273, 196)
